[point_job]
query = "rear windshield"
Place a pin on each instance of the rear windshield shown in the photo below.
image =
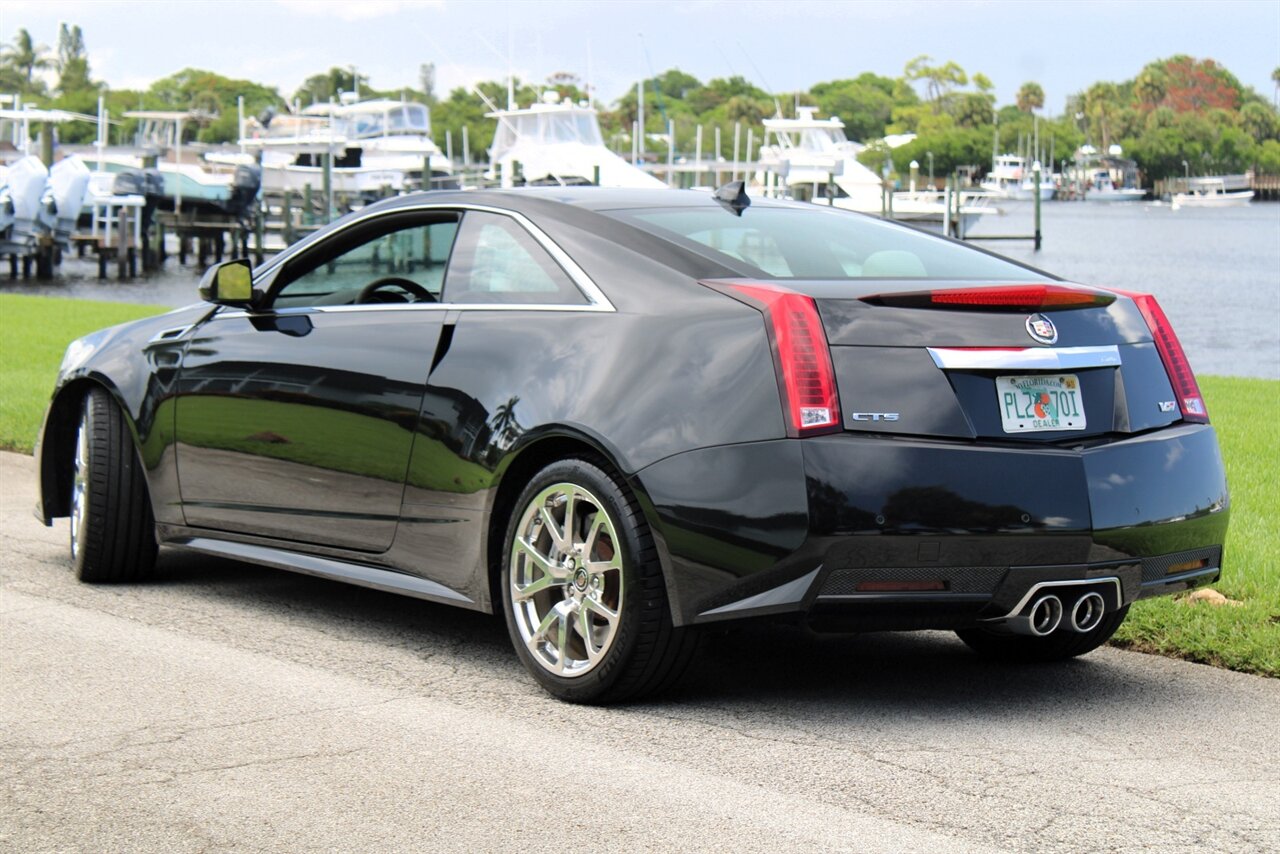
(820, 243)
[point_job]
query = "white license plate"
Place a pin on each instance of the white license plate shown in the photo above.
(1032, 404)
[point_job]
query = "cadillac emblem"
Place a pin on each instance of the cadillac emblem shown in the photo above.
(1042, 329)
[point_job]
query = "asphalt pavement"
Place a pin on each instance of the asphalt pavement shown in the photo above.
(227, 707)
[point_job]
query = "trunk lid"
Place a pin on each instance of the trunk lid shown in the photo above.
(908, 363)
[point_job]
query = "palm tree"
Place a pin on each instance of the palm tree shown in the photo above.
(1030, 97)
(1275, 78)
(25, 55)
(505, 426)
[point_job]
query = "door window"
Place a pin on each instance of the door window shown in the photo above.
(397, 259)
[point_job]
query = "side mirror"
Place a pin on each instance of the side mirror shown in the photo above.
(229, 283)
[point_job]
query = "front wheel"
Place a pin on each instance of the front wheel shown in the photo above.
(1056, 646)
(583, 591)
(112, 530)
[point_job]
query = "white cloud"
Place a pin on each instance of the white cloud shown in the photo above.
(363, 10)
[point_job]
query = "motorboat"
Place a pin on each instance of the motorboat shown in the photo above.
(1210, 193)
(804, 151)
(373, 147)
(1109, 177)
(1103, 189)
(191, 182)
(557, 142)
(1011, 179)
(393, 135)
(860, 189)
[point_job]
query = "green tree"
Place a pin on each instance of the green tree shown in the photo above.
(25, 57)
(214, 96)
(973, 109)
(939, 80)
(1259, 121)
(1030, 97)
(1102, 106)
(865, 103)
(320, 88)
(1151, 86)
(72, 61)
(745, 109)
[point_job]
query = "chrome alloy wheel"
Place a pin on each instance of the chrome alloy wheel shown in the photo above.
(566, 579)
(80, 489)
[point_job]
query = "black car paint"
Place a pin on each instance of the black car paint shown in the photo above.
(676, 388)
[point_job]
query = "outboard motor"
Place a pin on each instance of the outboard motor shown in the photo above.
(26, 188)
(244, 191)
(68, 186)
(6, 205)
(141, 182)
(131, 182)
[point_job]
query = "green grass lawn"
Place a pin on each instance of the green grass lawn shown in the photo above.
(34, 331)
(1246, 414)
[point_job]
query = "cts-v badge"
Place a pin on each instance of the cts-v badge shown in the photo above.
(874, 416)
(1042, 329)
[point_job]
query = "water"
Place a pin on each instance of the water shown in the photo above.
(1215, 272)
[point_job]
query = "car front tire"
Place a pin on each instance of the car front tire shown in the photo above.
(583, 592)
(112, 529)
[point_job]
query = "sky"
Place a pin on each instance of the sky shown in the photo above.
(780, 46)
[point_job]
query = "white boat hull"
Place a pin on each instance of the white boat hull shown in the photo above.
(1125, 195)
(342, 180)
(1212, 200)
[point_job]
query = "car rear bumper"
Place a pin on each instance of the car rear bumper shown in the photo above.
(882, 533)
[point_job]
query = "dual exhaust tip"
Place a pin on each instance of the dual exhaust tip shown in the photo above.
(1047, 613)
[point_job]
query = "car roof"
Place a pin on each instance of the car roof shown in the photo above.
(529, 199)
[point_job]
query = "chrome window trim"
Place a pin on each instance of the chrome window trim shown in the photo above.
(1026, 358)
(596, 299)
(433, 306)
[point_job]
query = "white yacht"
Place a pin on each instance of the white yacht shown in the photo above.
(805, 150)
(557, 142)
(292, 149)
(1011, 179)
(1210, 193)
(391, 135)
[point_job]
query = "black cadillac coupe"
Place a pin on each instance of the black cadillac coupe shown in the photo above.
(618, 416)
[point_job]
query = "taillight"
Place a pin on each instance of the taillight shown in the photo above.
(800, 355)
(1190, 401)
(998, 298)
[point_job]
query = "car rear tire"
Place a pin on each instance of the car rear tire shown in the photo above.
(1061, 644)
(112, 530)
(583, 591)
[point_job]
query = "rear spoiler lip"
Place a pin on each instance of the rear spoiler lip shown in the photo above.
(1025, 358)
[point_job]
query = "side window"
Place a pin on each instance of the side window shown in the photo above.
(398, 259)
(497, 261)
